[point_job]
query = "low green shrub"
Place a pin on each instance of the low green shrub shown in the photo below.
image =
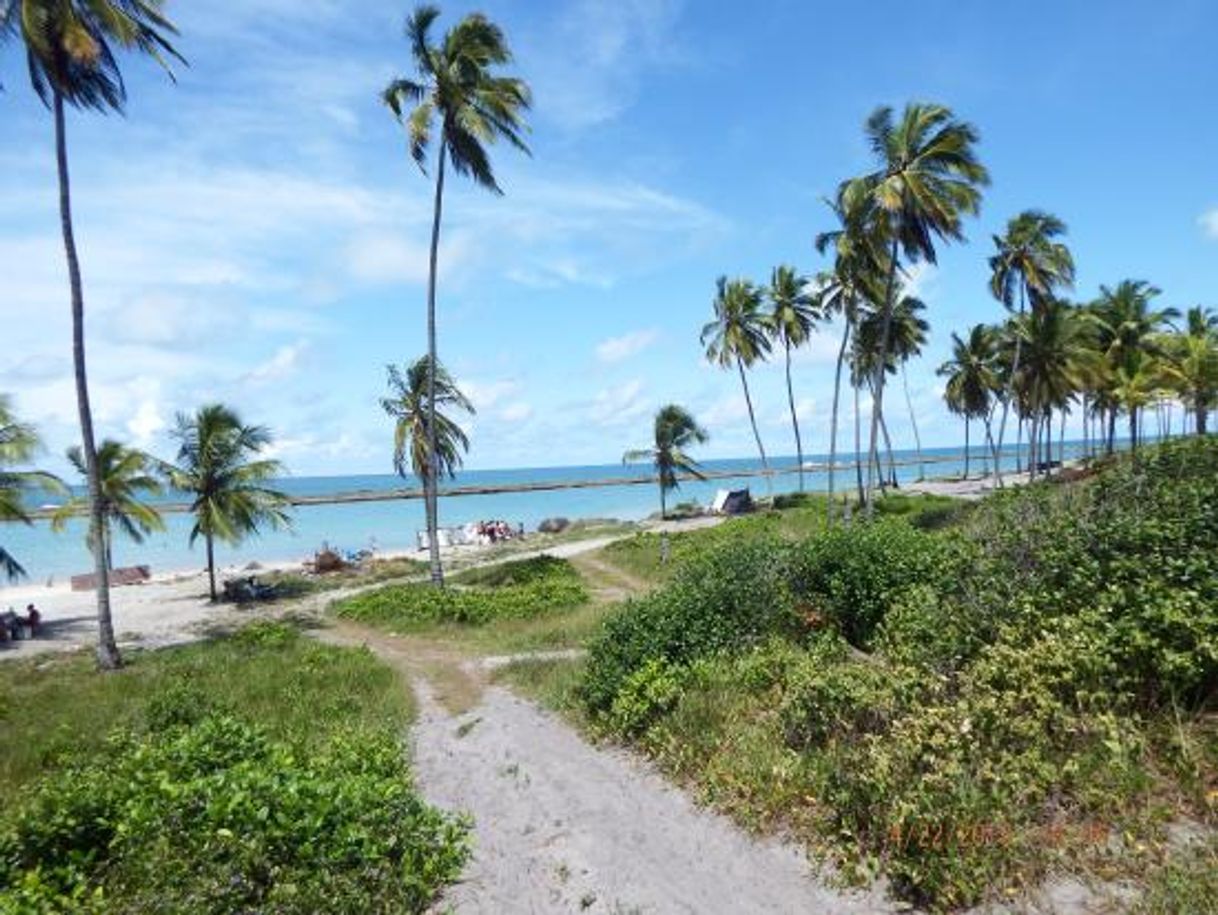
(722, 598)
(216, 816)
(538, 590)
(646, 694)
(518, 572)
(852, 576)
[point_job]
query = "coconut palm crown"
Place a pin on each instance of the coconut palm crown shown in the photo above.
(408, 405)
(676, 430)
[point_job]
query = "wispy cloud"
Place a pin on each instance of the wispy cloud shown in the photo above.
(1209, 223)
(587, 66)
(619, 349)
(620, 405)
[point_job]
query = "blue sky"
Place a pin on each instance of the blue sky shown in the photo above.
(257, 234)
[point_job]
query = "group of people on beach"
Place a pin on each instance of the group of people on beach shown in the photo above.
(496, 531)
(14, 626)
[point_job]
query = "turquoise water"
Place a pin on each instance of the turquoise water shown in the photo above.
(393, 525)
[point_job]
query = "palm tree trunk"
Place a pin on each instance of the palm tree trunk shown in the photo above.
(858, 446)
(966, 424)
(1112, 418)
(877, 403)
(1033, 438)
(1061, 441)
(108, 657)
(913, 421)
(1201, 418)
(433, 459)
(837, 391)
(892, 461)
(748, 400)
(1006, 402)
(1133, 428)
(211, 565)
(799, 445)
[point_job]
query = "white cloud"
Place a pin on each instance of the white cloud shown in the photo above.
(1209, 223)
(618, 349)
(486, 394)
(588, 67)
(145, 423)
(283, 363)
(619, 405)
(921, 280)
(516, 412)
(726, 411)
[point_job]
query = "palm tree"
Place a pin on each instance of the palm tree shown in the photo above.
(675, 431)
(408, 405)
(794, 316)
(1128, 333)
(70, 49)
(18, 445)
(1059, 356)
(927, 179)
(1029, 265)
(972, 379)
(126, 475)
(218, 465)
(739, 336)
(853, 281)
(457, 87)
(1191, 365)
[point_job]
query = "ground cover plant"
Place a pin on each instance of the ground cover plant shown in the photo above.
(259, 772)
(516, 590)
(1028, 686)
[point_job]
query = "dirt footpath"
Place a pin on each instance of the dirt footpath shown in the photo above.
(561, 826)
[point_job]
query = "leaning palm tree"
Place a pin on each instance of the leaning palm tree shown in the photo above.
(126, 477)
(794, 315)
(409, 406)
(456, 87)
(1029, 266)
(739, 336)
(219, 467)
(70, 49)
(675, 431)
(928, 178)
(854, 280)
(18, 445)
(972, 379)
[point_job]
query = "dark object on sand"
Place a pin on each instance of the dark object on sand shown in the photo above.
(130, 575)
(732, 502)
(248, 589)
(554, 525)
(328, 561)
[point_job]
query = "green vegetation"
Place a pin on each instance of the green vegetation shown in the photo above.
(510, 591)
(18, 444)
(1029, 688)
(675, 430)
(259, 772)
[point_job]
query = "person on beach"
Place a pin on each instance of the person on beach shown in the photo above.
(33, 619)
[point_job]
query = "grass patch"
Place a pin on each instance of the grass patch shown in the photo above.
(553, 682)
(259, 772)
(517, 591)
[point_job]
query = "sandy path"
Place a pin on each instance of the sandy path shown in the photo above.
(561, 826)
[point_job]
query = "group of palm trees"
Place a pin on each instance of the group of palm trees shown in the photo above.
(219, 466)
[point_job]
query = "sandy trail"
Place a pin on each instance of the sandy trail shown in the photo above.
(562, 826)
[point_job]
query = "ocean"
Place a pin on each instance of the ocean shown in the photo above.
(393, 525)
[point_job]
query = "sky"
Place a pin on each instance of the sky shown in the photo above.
(256, 233)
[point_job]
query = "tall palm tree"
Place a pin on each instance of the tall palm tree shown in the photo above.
(457, 87)
(928, 178)
(1129, 334)
(675, 431)
(1029, 266)
(408, 404)
(794, 315)
(1058, 357)
(126, 477)
(855, 279)
(218, 465)
(739, 336)
(18, 445)
(972, 379)
(70, 49)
